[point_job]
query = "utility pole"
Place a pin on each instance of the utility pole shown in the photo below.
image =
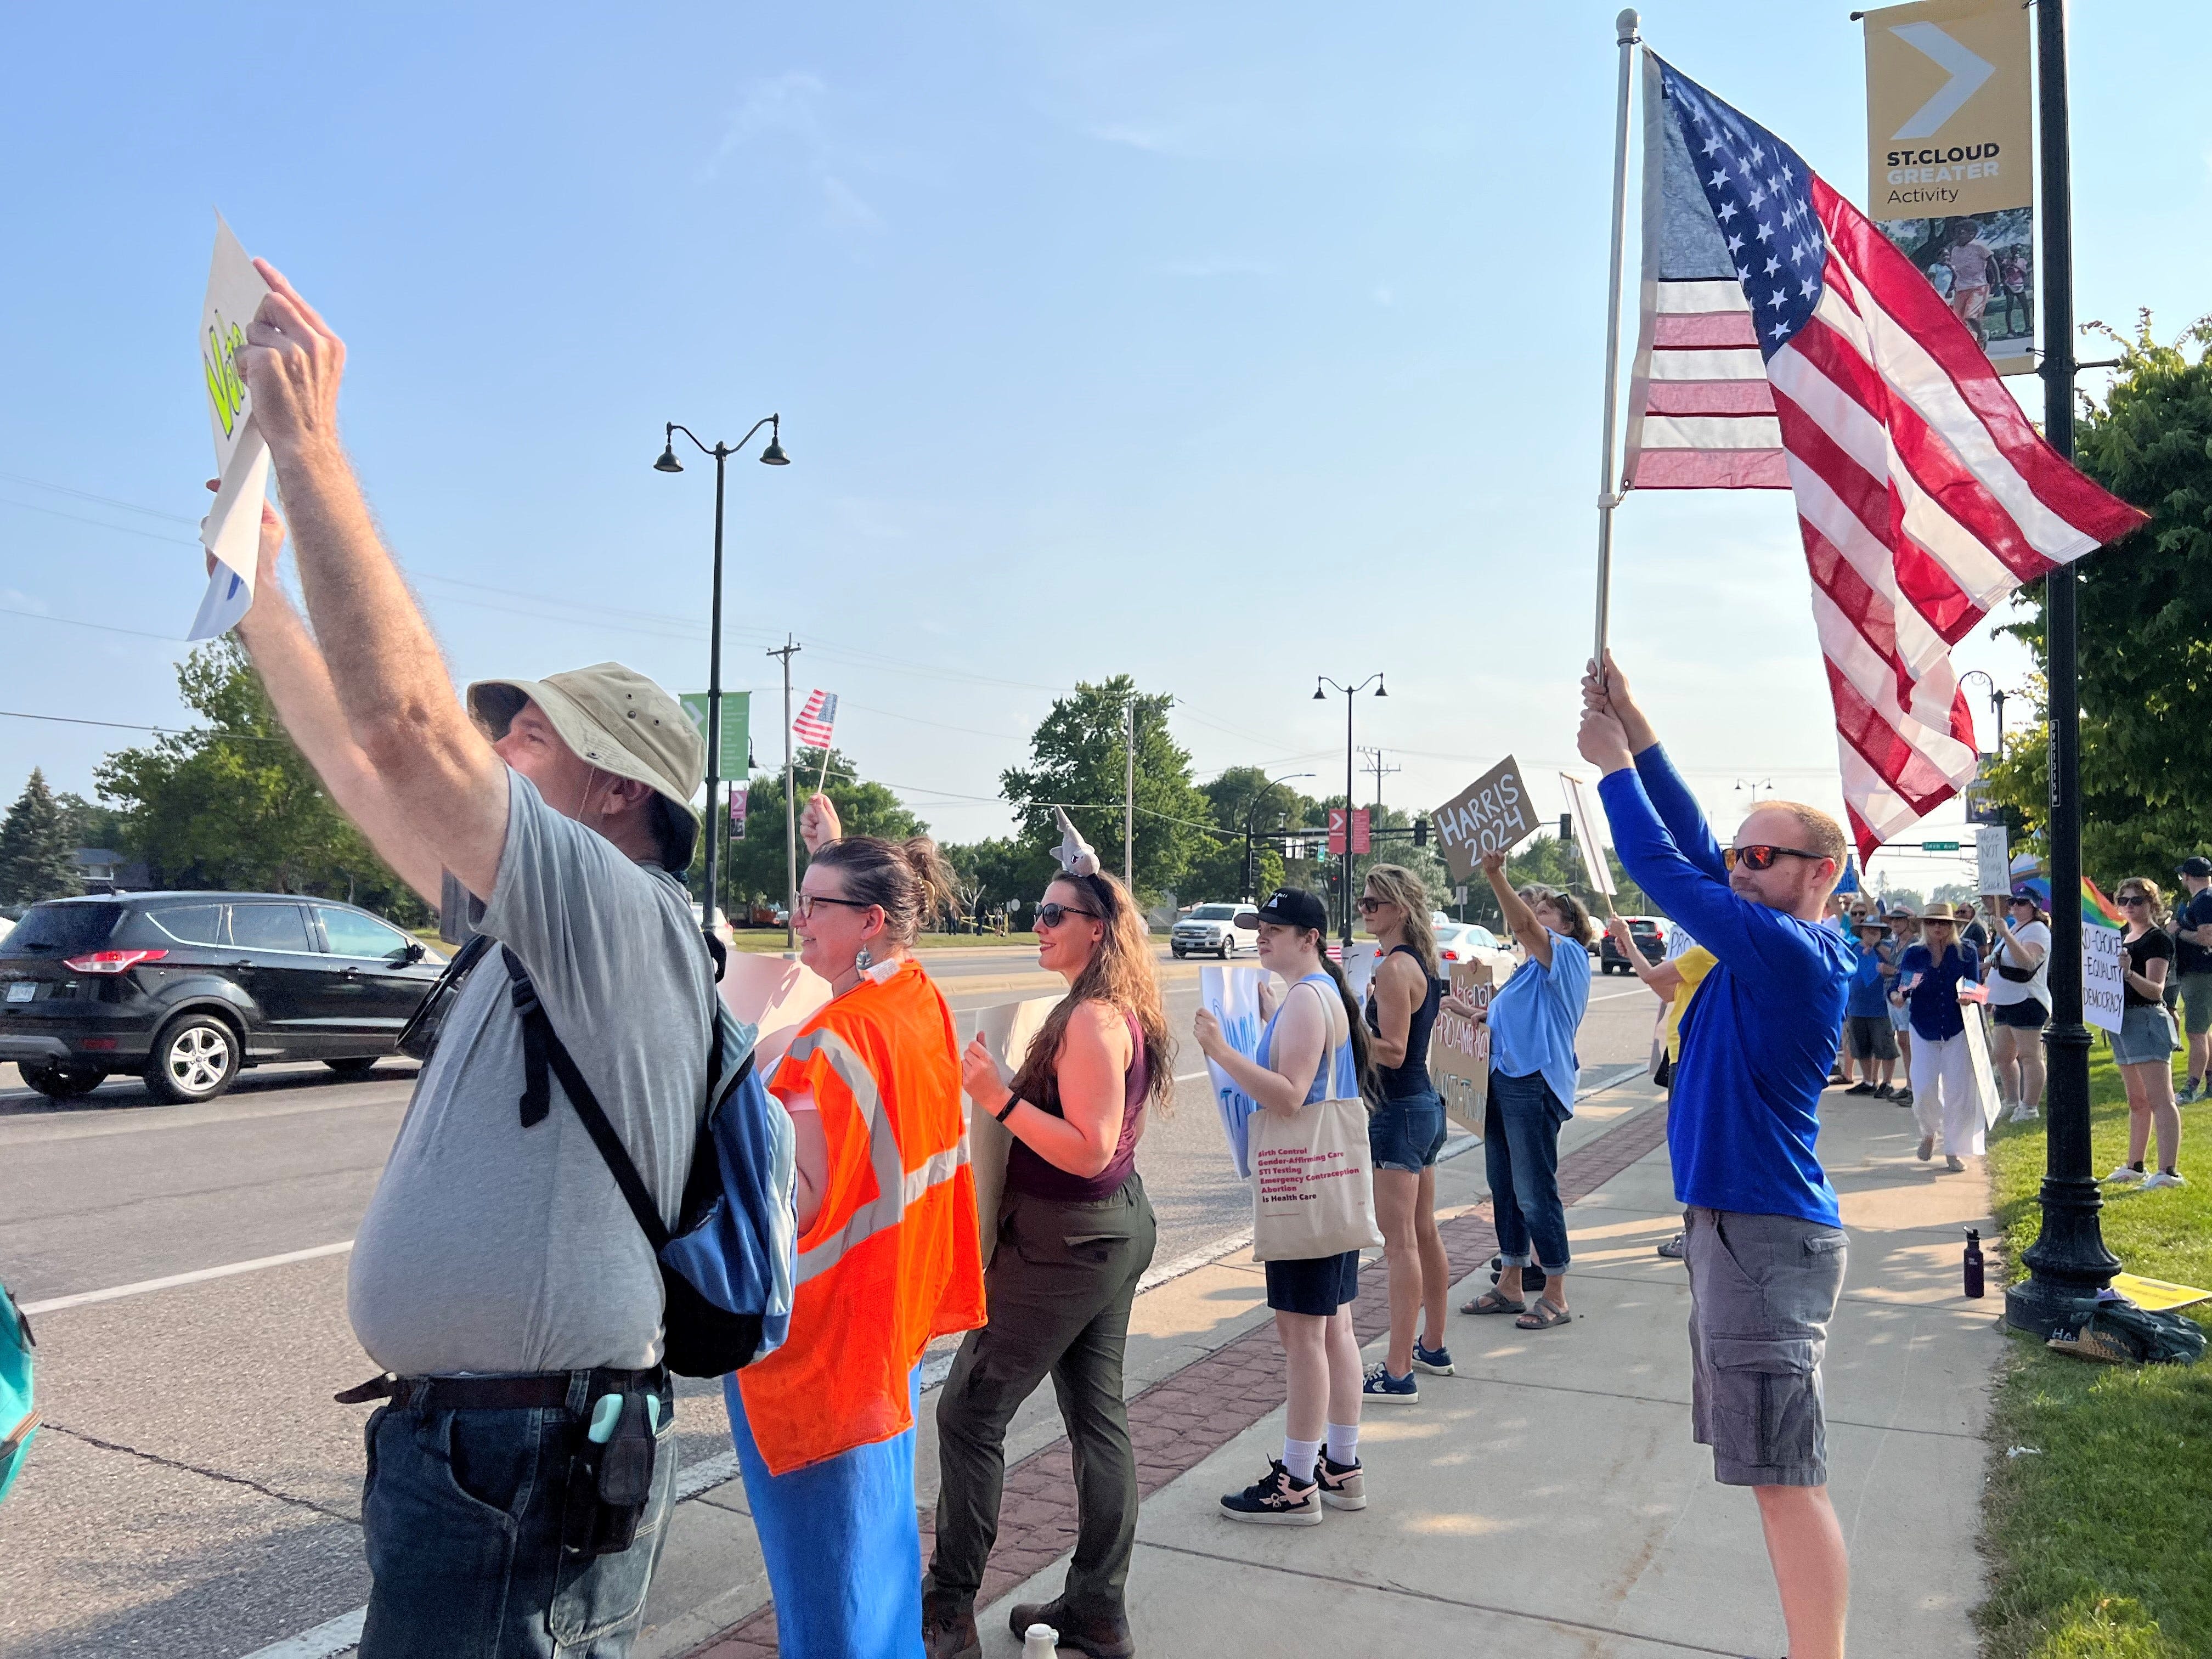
(2068, 1259)
(1129, 794)
(787, 650)
(1375, 765)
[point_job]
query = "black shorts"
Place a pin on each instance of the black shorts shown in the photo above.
(2027, 1015)
(1317, 1285)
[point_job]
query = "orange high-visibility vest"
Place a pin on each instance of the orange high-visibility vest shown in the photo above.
(893, 1259)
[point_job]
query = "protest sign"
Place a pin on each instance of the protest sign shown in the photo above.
(2104, 975)
(777, 996)
(1992, 861)
(1359, 963)
(1459, 1048)
(1006, 1031)
(231, 529)
(1585, 823)
(1977, 1056)
(1231, 996)
(1490, 815)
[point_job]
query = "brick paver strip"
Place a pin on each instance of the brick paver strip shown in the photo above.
(1181, 1420)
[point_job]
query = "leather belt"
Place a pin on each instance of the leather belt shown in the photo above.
(540, 1389)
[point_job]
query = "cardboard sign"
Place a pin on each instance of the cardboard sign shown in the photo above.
(1459, 1048)
(1992, 861)
(2104, 975)
(1585, 822)
(775, 994)
(1231, 996)
(1490, 815)
(1006, 1031)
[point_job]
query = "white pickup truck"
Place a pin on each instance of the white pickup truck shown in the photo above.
(1212, 930)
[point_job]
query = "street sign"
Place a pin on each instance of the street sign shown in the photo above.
(1336, 832)
(1939, 846)
(737, 714)
(1362, 835)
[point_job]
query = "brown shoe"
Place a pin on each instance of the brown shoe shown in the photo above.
(1102, 1638)
(948, 1629)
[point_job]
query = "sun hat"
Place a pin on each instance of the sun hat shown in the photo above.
(1941, 911)
(619, 722)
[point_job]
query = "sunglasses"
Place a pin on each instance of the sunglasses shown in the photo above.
(1761, 858)
(1051, 915)
(1368, 904)
(808, 900)
(2133, 898)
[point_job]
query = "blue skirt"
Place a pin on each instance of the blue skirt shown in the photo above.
(842, 1544)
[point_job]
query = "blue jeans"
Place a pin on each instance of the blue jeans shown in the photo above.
(1521, 1149)
(461, 1515)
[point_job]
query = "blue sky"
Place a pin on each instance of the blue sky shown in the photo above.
(1224, 346)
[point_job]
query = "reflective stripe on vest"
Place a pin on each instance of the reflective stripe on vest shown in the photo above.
(896, 1187)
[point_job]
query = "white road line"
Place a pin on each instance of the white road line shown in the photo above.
(320, 1643)
(85, 1298)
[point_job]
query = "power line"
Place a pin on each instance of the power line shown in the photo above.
(127, 726)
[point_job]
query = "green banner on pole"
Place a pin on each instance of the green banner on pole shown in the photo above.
(736, 713)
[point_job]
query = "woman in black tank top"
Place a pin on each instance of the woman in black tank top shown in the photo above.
(1074, 1235)
(1404, 1131)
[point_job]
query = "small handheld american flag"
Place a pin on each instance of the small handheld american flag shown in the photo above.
(814, 721)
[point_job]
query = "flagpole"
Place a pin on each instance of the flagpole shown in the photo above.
(1625, 25)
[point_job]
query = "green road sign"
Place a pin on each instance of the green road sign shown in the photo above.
(737, 712)
(1939, 846)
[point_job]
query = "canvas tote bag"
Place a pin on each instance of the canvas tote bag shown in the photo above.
(1313, 1188)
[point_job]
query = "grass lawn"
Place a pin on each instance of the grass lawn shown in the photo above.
(2102, 1543)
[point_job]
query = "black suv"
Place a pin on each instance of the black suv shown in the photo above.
(185, 989)
(1649, 940)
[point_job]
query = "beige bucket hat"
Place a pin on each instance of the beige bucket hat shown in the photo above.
(621, 722)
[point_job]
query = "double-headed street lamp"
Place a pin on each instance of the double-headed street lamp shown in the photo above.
(1349, 692)
(771, 456)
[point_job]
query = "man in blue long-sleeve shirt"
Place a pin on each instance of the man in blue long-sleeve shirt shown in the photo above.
(1764, 1242)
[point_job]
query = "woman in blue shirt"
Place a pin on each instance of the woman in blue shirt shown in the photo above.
(1928, 979)
(1533, 1019)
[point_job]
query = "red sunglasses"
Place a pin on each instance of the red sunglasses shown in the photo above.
(1761, 858)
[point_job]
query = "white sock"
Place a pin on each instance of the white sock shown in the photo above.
(1299, 1457)
(1343, 1443)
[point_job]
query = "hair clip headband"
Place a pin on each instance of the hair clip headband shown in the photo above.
(1075, 855)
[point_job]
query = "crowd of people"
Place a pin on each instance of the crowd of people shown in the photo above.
(509, 1293)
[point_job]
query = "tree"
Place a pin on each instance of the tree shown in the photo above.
(2145, 616)
(1000, 870)
(35, 848)
(1240, 795)
(1077, 762)
(755, 868)
(88, 825)
(236, 806)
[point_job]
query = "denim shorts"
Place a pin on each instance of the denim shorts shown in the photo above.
(1762, 1290)
(1406, 1133)
(2145, 1037)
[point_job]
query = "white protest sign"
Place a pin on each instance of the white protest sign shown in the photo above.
(1490, 815)
(1978, 1057)
(1231, 996)
(1585, 822)
(775, 995)
(1007, 1030)
(1992, 861)
(231, 529)
(2104, 975)
(1359, 965)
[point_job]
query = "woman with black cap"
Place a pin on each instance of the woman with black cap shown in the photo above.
(1315, 1049)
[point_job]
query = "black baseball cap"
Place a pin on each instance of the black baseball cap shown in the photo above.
(2198, 865)
(1288, 907)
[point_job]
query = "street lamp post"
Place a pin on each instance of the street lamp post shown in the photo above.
(1349, 692)
(771, 456)
(1997, 695)
(1252, 814)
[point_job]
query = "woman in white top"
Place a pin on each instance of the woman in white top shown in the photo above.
(2019, 980)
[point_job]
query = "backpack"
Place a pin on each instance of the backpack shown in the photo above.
(18, 1421)
(2115, 1329)
(728, 1268)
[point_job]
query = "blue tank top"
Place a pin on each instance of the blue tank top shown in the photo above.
(1404, 1082)
(1338, 1079)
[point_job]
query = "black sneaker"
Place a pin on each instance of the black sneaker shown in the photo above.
(1860, 1089)
(1887, 1091)
(1275, 1500)
(1902, 1098)
(1343, 1485)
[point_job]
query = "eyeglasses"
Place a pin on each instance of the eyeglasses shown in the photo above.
(1761, 858)
(808, 900)
(1368, 904)
(1051, 915)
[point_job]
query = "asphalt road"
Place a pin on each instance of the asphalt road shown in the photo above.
(196, 1490)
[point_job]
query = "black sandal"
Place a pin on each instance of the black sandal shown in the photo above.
(1490, 1302)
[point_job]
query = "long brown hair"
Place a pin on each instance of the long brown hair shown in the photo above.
(1120, 975)
(1398, 885)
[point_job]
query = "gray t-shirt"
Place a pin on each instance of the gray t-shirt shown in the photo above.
(489, 1247)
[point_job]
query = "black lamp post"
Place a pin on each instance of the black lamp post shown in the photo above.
(1258, 800)
(771, 456)
(1349, 692)
(1997, 695)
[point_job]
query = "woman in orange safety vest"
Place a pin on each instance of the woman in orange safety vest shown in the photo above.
(888, 1257)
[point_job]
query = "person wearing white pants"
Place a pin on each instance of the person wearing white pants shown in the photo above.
(1943, 1096)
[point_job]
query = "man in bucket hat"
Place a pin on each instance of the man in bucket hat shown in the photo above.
(498, 1278)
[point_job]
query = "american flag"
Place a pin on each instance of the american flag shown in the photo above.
(814, 721)
(1786, 344)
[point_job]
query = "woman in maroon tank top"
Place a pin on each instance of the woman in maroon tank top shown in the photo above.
(1074, 1235)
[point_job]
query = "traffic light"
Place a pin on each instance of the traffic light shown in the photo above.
(1420, 832)
(1566, 826)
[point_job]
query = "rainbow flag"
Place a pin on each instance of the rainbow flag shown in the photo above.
(2097, 911)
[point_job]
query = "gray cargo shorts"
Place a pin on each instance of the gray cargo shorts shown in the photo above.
(1762, 1290)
